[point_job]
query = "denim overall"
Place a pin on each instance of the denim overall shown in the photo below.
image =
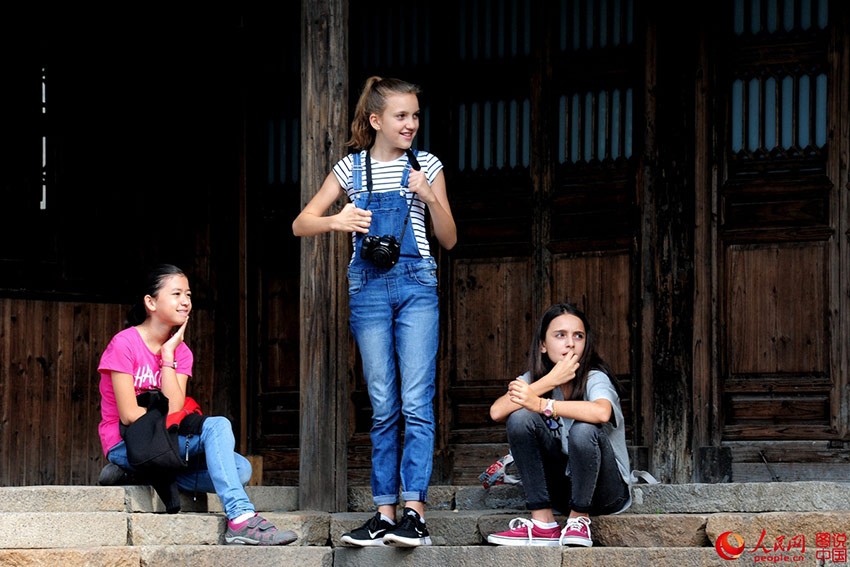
(395, 321)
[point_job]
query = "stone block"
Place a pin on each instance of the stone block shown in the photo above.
(62, 499)
(465, 556)
(360, 499)
(454, 527)
(232, 555)
(312, 528)
(501, 496)
(649, 530)
(777, 524)
(264, 499)
(140, 498)
(33, 530)
(750, 497)
(440, 497)
(176, 529)
(77, 557)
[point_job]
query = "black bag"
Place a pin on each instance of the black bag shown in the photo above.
(149, 444)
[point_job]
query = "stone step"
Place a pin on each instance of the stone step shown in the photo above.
(170, 556)
(448, 528)
(22, 530)
(752, 497)
(805, 496)
(465, 556)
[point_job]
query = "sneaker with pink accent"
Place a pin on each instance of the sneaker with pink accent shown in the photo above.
(577, 532)
(525, 532)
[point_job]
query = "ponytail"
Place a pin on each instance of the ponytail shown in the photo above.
(373, 100)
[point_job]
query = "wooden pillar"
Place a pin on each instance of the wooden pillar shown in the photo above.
(668, 232)
(324, 300)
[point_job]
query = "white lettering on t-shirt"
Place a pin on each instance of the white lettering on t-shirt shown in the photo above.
(145, 378)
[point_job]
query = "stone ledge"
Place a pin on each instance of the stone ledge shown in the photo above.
(72, 557)
(776, 524)
(464, 528)
(170, 556)
(232, 555)
(493, 556)
(753, 497)
(62, 499)
(463, 556)
(34, 530)
(183, 529)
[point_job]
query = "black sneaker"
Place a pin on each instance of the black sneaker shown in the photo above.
(113, 475)
(411, 531)
(369, 534)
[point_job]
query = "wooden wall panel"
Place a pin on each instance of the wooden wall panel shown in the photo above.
(491, 314)
(491, 322)
(49, 386)
(776, 314)
(599, 285)
(778, 382)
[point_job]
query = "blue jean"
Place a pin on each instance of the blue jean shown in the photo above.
(594, 486)
(395, 321)
(224, 471)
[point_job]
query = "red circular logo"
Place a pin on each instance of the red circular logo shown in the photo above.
(729, 546)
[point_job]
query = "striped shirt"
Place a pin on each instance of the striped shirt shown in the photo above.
(386, 176)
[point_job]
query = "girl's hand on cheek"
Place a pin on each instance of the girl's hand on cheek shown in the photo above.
(170, 346)
(565, 369)
(520, 393)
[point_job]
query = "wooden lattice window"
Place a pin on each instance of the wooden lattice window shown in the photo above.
(595, 113)
(779, 87)
(494, 134)
(595, 125)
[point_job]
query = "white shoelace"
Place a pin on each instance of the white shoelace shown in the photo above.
(516, 522)
(576, 524)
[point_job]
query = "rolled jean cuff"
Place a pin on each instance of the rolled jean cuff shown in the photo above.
(385, 500)
(541, 505)
(580, 509)
(415, 496)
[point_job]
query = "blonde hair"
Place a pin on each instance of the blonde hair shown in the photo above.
(373, 100)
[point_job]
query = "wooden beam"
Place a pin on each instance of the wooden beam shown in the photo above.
(242, 285)
(324, 302)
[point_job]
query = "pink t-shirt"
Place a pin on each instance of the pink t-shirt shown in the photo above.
(128, 353)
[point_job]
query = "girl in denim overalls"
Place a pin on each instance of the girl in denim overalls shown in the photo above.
(394, 308)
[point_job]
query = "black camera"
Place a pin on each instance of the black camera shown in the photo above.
(383, 251)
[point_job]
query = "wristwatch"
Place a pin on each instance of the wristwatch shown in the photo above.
(547, 411)
(171, 364)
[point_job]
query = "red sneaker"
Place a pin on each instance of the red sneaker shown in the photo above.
(525, 532)
(577, 532)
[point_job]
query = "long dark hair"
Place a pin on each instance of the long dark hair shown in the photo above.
(373, 100)
(154, 280)
(539, 363)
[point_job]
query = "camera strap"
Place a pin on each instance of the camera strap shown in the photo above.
(412, 162)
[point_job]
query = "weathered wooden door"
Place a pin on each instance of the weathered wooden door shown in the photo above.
(779, 241)
(543, 186)
(532, 107)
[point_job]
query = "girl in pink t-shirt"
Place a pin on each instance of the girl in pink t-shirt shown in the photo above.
(151, 356)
